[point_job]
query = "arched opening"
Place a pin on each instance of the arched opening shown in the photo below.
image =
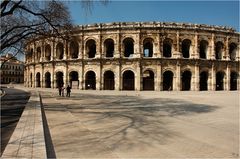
(128, 44)
(168, 81)
(73, 79)
(38, 80)
(29, 55)
(148, 80)
(74, 50)
(203, 49)
(232, 51)
(186, 80)
(48, 52)
(38, 54)
(31, 80)
(218, 50)
(219, 81)
(203, 81)
(91, 48)
(47, 80)
(128, 80)
(59, 79)
(167, 48)
(109, 80)
(90, 80)
(148, 47)
(233, 80)
(59, 51)
(109, 47)
(186, 44)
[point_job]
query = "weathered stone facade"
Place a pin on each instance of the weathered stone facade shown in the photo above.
(137, 56)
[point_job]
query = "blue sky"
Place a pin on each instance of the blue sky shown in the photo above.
(224, 13)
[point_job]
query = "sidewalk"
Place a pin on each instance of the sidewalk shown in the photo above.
(27, 140)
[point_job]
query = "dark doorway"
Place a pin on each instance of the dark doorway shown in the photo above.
(60, 51)
(74, 50)
(59, 79)
(219, 81)
(167, 48)
(128, 80)
(232, 51)
(233, 81)
(73, 76)
(109, 47)
(48, 52)
(203, 81)
(47, 80)
(203, 49)
(186, 80)
(186, 44)
(218, 50)
(38, 80)
(90, 80)
(128, 47)
(109, 80)
(168, 81)
(91, 48)
(148, 47)
(148, 80)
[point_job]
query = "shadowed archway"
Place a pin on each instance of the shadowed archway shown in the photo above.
(148, 80)
(128, 80)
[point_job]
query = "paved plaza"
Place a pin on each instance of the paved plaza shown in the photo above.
(110, 124)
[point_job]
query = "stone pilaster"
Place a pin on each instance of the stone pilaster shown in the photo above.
(213, 78)
(212, 52)
(196, 70)
(177, 79)
(227, 79)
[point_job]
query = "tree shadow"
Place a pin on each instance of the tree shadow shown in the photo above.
(125, 122)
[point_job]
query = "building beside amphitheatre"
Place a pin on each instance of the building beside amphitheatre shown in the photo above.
(137, 56)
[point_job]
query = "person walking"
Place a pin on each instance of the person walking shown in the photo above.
(63, 91)
(60, 90)
(68, 91)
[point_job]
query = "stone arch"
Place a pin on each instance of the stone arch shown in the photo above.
(203, 82)
(74, 49)
(219, 50)
(128, 80)
(47, 80)
(59, 79)
(220, 75)
(233, 80)
(59, 51)
(148, 47)
(167, 47)
(148, 80)
(186, 80)
(91, 48)
(168, 80)
(109, 47)
(38, 79)
(109, 82)
(47, 52)
(128, 44)
(203, 49)
(73, 79)
(90, 80)
(232, 51)
(38, 54)
(186, 46)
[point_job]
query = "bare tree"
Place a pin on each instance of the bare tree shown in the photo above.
(22, 20)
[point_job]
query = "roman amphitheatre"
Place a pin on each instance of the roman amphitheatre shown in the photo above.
(157, 56)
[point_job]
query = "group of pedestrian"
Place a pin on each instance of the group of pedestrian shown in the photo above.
(61, 91)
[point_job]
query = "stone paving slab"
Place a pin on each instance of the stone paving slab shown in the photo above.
(145, 125)
(27, 140)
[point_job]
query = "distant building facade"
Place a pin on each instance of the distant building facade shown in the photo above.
(137, 56)
(12, 71)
